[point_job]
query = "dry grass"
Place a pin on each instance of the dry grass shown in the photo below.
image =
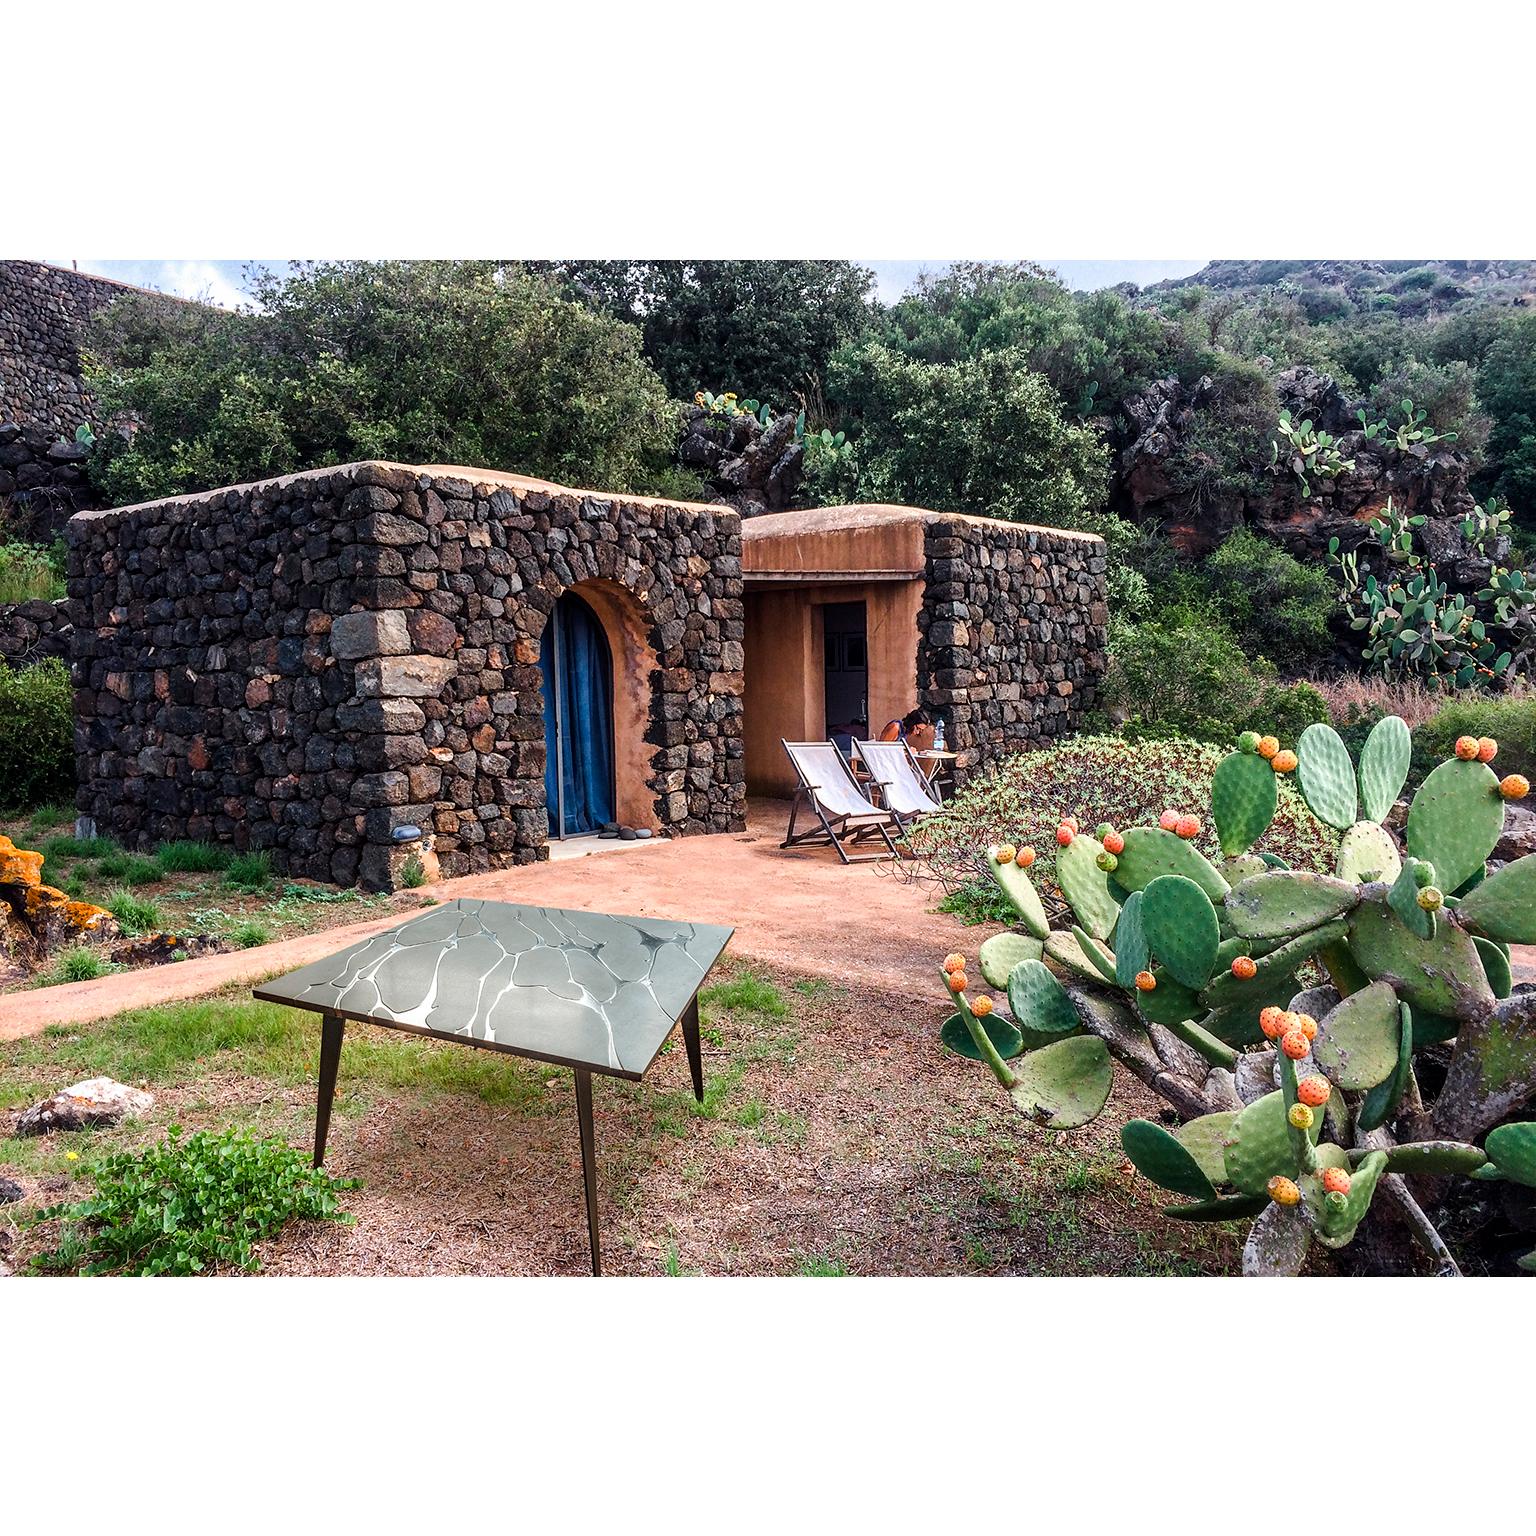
(1353, 695)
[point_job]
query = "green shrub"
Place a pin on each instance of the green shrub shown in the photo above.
(30, 571)
(1511, 722)
(250, 871)
(1023, 798)
(1276, 606)
(1184, 674)
(133, 913)
(193, 858)
(76, 964)
(189, 1204)
(37, 734)
(251, 935)
(413, 873)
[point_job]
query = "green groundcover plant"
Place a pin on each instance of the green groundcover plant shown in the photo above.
(191, 1204)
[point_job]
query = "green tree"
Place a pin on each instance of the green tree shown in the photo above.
(984, 435)
(1506, 384)
(425, 362)
(762, 328)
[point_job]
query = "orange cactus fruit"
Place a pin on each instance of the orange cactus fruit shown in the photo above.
(1071, 821)
(1268, 746)
(1024, 857)
(1283, 762)
(1487, 749)
(1295, 1044)
(1335, 1181)
(1466, 748)
(1114, 843)
(1515, 787)
(1187, 827)
(1307, 1025)
(957, 982)
(1300, 1116)
(1005, 853)
(953, 963)
(1283, 1191)
(1064, 835)
(982, 1007)
(1244, 968)
(1168, 820)
(1146, 981)
(1313, 1091)
(1272, 1021)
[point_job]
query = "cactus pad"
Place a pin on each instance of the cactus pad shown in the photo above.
(1455, 821)
(1442, 975)
(1229, 1208)
(1150, 852)
(1277, 1242)
(1131, 953)
(1357, 1043)
(1403, 898)
(1504, 905)
(1431, 1158)
(1160, 1157)
(1016, 885)
(1384, 761)
(1169, 1003)
(999, 954)
(1226, 989)
(1327, 776)
(1512, 1149)
(1281, 902)
(1335, 1228)
(1380, 1104)
(1495, 960)
(1181, 928)
(1243, 800)
(1238, 1023)
(1205, 1139)
(1086, 886)
(1068, 952)
(1039, 1003)
(956, 1036)
(1065, 1084)
(1258, 1145)
(1367, 852)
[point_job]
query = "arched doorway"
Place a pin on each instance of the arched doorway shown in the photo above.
(578, 720)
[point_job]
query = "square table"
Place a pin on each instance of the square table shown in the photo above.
(587, 990)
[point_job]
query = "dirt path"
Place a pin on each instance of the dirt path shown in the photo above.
(860, 925)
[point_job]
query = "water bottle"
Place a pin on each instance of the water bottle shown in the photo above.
(938, 735)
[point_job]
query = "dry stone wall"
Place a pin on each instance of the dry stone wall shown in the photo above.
(34, 631)
(1010, 634)
(307, 664)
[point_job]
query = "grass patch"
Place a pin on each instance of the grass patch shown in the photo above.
(813, 1267)
(250, 871)
(413, 873)
(134, 914)
(54, 814)
(130, 868)
(747, 992)
(68, 847)
(192, 858)
(177, 1041)
(77, 964)
(250, 935)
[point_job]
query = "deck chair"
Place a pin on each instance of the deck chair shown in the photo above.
(905, 789)
(843, 813)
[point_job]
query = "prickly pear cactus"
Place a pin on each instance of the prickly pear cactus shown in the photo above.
(1301, 1103)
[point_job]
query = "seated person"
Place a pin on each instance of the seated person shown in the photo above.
(916, 729)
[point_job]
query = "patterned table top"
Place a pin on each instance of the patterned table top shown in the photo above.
(586, 989)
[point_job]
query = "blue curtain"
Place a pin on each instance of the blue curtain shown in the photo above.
(577, 661)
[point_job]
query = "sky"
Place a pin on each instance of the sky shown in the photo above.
(223, 281)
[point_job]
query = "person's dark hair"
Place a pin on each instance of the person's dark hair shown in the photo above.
(916, 718)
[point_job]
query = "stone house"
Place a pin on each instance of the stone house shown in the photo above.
(353, 666)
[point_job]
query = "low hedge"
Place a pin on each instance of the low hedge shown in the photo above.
(1511, 722)
(37, 735)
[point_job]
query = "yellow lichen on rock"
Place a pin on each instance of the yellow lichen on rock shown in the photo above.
(19, 868)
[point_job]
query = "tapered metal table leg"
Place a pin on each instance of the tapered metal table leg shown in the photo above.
(690, 1023)
(330, 1058)
(588, 1161)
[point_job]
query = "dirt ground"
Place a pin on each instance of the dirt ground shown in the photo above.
(837, 1137)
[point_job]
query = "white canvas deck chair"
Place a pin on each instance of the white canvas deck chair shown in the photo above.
(843, 813)
(905, 790)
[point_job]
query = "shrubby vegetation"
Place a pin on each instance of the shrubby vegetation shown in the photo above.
(37, 734)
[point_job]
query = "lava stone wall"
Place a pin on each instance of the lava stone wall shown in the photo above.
(34, 631)
(1010, 635)
(305, 664)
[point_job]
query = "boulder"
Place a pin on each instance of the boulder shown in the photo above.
(99, 1101)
